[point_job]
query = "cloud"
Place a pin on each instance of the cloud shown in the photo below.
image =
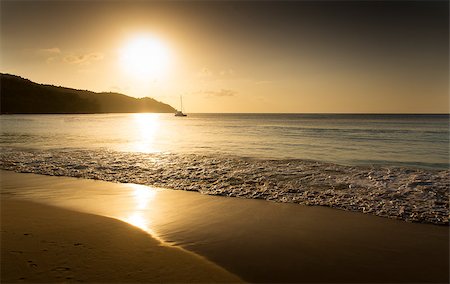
(55, 54)
(50, 54)
(205, 72)
(51, 59)
(221, 93)
(228, 72)
(83, 59)
(49, 51)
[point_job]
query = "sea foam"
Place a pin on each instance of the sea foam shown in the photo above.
(411, 194)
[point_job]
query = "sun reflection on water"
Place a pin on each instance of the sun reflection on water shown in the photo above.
(147, 126)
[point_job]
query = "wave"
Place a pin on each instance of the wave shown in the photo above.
(410, 194)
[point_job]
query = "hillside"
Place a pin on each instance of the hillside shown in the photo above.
(19, 95)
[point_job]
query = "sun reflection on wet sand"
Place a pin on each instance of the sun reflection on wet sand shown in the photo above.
(147, 126)
(143, 197)
(135, 204)
(137, 219)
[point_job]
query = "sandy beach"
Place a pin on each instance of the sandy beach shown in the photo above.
(224, 141)
(257, 240)
(40, 243)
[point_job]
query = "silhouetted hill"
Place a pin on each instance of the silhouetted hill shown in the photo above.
(19, 95)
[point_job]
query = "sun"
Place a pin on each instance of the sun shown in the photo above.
(145, 57)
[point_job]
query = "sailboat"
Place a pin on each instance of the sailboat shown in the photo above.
(180, 112)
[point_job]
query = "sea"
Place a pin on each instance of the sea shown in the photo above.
(395, 166)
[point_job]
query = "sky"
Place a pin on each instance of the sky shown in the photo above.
(238, 56)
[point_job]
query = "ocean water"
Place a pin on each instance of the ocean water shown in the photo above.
(390, 165)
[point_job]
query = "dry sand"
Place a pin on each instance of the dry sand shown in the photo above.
(40, 243)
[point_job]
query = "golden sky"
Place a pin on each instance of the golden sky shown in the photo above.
(297, 57)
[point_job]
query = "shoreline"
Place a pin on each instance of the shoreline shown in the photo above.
(41, 243)
(257, 240)
(417, 195)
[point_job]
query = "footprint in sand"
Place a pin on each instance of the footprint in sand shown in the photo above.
(61, 268)
(32, 264)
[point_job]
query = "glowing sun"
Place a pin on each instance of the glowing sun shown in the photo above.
(145, 57)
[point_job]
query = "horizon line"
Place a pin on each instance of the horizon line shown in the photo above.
(307, 113)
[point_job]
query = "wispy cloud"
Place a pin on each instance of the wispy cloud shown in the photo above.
(227, 72)
(205, 72)
(221, 74)
(48, 51)
(83, 59)
(221, 93)
(50, 54)
(55, 54)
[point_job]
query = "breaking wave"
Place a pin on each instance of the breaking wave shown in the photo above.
(411, 194)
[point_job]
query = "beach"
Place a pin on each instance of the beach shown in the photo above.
(41, 243)
(225, 141)
(351, 162)
(259, 241)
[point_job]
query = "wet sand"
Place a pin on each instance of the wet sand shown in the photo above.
(257, 240)
(40, 243)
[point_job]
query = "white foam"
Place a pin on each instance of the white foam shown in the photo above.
(418, 195)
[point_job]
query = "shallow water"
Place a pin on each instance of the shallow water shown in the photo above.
(388, 165)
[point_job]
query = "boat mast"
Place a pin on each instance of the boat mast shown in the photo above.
(181, 100)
